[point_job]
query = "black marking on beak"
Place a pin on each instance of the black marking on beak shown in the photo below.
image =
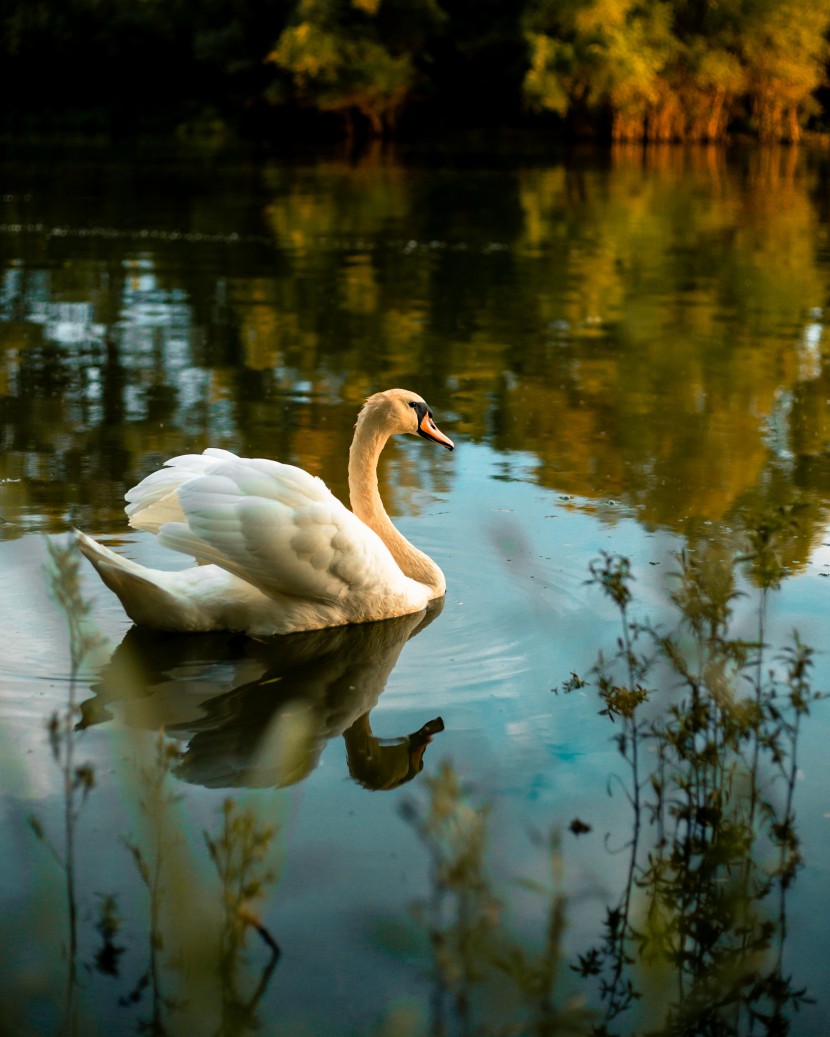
(427, 427)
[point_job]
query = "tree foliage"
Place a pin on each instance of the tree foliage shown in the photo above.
(628, 69)
(668, 70)
(356, 56)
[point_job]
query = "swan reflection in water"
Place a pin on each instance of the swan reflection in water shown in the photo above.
(259, 714)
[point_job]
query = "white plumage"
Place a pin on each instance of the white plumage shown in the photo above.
(277, 552)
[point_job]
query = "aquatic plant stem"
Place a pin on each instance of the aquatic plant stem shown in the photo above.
(77, 779)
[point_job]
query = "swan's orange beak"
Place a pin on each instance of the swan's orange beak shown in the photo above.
(429, 430)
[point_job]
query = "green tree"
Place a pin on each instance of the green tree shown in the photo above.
(666, 69)
(709, 75)
(785, 51)
(602, 55)
(356, 57)
(715, 80)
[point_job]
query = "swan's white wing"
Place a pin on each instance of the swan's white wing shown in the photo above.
(154, 500)
(278, 528)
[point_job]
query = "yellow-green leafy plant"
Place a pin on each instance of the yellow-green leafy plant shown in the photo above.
(694, 943)
(78, 778)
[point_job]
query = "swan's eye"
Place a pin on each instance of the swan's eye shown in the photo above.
(423, 415)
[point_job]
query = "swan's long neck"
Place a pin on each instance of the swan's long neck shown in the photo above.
(370, 438)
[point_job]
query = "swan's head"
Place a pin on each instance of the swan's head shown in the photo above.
(399, 410)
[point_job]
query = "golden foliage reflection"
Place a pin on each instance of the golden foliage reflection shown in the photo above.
(652, 330)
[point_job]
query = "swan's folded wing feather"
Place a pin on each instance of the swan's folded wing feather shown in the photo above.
(154, 500)
(281, 530)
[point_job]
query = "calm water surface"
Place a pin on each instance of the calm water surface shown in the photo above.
(631, 357)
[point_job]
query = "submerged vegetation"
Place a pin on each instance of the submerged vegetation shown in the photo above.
(651, 69)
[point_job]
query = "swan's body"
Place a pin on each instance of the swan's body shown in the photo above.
(278, 552)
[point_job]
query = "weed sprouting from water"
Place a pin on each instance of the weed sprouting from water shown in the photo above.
(150, 856)
(699, 919)
(707, 722)
(188, 932)
(462, 915)
(78, 779)
(478, 962)
(240, 853)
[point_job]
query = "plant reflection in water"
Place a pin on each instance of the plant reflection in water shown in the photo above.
(289, 696)
(240, 854)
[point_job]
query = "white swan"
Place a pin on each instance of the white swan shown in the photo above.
(277, 552)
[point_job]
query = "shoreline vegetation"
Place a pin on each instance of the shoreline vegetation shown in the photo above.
(605, 70)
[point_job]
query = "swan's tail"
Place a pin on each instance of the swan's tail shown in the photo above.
(146, 601)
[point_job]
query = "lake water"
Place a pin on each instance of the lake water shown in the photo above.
(630, 353)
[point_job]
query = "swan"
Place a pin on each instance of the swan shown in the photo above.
(277, 552)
